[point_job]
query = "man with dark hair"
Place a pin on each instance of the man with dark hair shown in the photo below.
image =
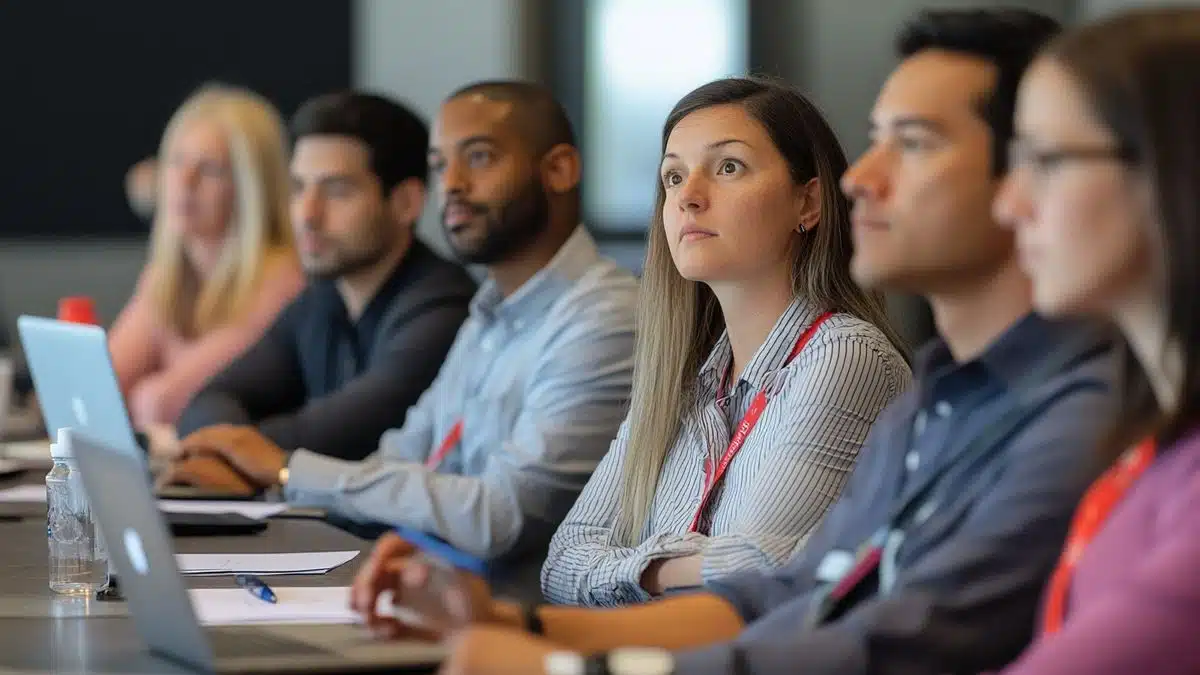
(493, 455)
(932, 560)
(344, 361)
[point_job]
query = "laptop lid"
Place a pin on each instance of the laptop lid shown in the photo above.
(125, 508)
(76, 385)
(123, 504)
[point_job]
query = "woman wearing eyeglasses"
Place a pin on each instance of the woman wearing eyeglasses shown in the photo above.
(1104, 195)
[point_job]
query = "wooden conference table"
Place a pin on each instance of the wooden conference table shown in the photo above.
(42, 633)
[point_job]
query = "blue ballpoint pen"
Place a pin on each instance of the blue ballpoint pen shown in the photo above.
(257, 587)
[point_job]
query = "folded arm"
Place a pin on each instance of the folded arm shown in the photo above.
(822, 417)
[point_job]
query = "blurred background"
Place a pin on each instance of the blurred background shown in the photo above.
(88, 87)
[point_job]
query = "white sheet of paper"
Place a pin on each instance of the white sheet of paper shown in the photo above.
(38, 449)
(24, 493)
(8, 466)
(234, 606)
(262, 564)
(255, 510)
(228, 606)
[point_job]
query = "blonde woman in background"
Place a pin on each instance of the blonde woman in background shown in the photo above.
(760, 366)
(221, 262)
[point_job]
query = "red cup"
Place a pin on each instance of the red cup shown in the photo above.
(78, 309)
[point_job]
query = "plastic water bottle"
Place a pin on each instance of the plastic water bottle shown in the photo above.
(75, 568)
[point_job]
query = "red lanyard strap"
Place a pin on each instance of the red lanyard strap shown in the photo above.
(713, 478)
(1093, 511)
(447, 444)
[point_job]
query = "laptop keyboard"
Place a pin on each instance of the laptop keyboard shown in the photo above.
(230, 643)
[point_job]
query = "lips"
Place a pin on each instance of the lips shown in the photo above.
(693, 233)
(457, 215)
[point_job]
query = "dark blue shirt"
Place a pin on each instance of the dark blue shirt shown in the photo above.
(321, 381)
(959, 584)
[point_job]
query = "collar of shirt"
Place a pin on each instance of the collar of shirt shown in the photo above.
(770, 356)
(574, 259)
(408, 267)
(1005, 359)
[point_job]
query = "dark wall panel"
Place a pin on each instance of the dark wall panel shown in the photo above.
(87, 87)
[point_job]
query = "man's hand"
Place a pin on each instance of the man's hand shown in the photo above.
(372, 579)
(207, 472)
(436, 600)
(490, 650)
(163, 442)
(251, 453)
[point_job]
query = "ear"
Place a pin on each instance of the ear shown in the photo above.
(561, 169)
(406, 201)
(808, 205)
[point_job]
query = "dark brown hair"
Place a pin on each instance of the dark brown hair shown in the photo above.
(1141, 73)
(1007, 37)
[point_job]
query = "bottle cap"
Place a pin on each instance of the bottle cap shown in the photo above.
(78, 309)
(61, 449)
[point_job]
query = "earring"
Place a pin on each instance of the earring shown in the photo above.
(803, 229)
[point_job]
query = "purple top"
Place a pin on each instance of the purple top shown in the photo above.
(1135, 601)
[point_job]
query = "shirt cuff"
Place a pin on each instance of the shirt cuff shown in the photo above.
(314, 480)
(629, 572)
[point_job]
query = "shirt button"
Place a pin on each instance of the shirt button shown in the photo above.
(912, 460)
(924, 512)
(518, 324)
(919, 423)
(487, 344)
(943, 409)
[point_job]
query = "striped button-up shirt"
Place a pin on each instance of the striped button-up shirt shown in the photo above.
(541, 381)
(790, 469)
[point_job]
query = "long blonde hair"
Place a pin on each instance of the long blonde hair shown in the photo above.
(679, 321)
(260, 231)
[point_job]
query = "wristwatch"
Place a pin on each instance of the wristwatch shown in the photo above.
(625, 661)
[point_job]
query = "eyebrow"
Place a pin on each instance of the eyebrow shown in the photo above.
(467, 142)
(328, 178)
(713, 146)
(912, 122)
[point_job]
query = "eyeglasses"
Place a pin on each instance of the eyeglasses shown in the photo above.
(1042, 162)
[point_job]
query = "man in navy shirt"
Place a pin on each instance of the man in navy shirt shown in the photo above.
(355, 350)
(932, 560)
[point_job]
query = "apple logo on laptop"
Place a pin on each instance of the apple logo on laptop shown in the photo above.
(136, 552)
(80, 410)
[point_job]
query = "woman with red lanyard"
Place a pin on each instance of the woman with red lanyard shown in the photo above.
(760, 365)
(1104, 197)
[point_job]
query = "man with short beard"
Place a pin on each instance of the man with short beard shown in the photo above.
(536, 385)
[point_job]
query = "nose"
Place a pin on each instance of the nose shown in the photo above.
(693, 195)
(866, 178)
(1013, 204)
(307, 207)
(185, 176)
(453, 180)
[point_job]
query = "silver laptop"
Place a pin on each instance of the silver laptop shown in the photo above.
(75, 382)
(77, 388)
(123, 504)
